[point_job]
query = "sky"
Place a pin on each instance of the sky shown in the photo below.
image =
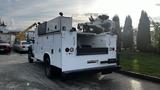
(19, 14)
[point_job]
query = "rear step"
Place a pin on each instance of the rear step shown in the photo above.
(91, 51)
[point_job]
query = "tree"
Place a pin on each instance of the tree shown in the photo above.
(156, 38)
(118, 31)
(128, 33)
(143, 34)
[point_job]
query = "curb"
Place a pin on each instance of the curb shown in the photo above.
(140, 76)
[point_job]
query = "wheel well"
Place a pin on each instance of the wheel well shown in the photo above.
(45, 56)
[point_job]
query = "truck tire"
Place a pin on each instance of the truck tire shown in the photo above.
(30, 55)
(48, 68)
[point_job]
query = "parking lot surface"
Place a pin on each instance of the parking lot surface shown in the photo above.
(17, 74)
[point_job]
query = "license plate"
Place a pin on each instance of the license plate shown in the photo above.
(1, 49)
(92, 61)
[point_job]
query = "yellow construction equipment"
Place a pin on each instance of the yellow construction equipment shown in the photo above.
(21, 35)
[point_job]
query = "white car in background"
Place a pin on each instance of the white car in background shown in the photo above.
(21, 46)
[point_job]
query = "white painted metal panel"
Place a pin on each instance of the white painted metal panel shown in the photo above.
(5, 37)
(70, 61)
(57, 44)
(66, 24)
(53, 25)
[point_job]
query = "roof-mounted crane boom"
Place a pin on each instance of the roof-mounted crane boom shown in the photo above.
(21, 35)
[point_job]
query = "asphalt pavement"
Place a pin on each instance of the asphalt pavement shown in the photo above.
(17, 74)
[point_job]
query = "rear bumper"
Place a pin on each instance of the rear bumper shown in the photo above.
(106, 69)
(23, 49)
(6, 50)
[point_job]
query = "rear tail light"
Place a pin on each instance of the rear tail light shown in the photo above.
(71, 49)
(22, 46)
(8, 48)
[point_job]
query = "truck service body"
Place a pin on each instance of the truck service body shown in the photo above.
(72, 51)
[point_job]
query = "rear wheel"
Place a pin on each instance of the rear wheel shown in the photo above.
(48, 68)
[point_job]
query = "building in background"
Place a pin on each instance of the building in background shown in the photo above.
(10, 35)
(7, 37)
(6, 34)
(3, 27)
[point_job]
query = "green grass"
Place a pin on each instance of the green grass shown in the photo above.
(144, 63)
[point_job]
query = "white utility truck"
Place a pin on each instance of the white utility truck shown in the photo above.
(65, 50)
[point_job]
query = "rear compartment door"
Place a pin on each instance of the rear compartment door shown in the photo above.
(57, 49)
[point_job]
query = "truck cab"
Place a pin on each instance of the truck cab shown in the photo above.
(65, 50)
